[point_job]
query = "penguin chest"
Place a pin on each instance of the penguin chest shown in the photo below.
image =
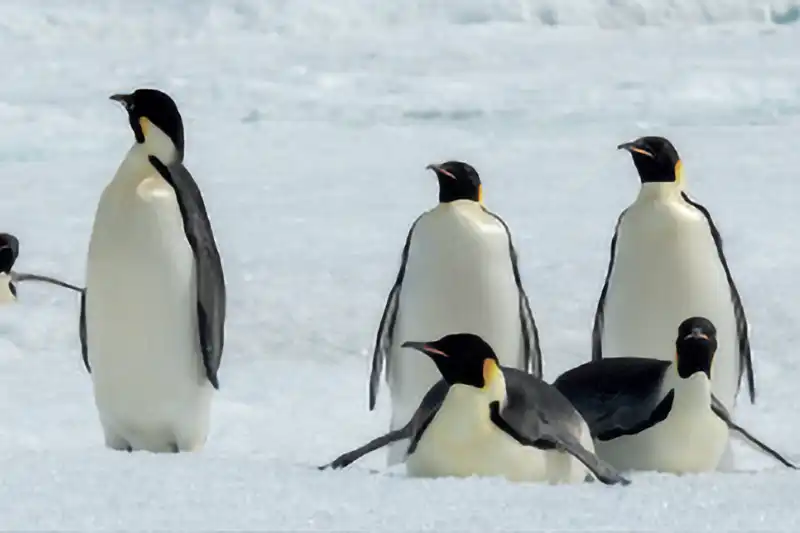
(461, 441)
(458, 277)
(666, 269)
(691, 439)
(139, 278)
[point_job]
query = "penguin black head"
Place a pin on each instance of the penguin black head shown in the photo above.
(462, 358)
(457, 181)
(9, 250)
(151, 107)
(695, 345)
(656, 160)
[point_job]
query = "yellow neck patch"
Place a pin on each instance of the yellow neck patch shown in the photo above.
(480, 194)
(145, 125)
(490, 372)
(679, 172)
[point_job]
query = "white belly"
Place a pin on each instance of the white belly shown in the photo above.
(666, 270)
(458, 279)
(461, 441)
(143, 347)
(6, 296)
(691, 440)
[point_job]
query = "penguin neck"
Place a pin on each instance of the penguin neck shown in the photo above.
(136, 166)
(461, 206)
(474, 402)
(660, 191)
(691, 393)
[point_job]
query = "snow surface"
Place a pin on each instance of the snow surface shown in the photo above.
(309, 125)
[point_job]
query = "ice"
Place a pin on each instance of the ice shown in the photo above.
(309, 125)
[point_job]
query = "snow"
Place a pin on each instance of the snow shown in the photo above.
(309, 125)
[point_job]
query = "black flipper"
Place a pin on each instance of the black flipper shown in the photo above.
(385, 335)
(9, 251)
(659, 414)
(599, 315)
(617, 396)
(532, 356)
(428, 407)
(603, 471)
(22, 276)
(346, 459)
(745, 355)
(82, 333)
(211, 291)
(722, 413)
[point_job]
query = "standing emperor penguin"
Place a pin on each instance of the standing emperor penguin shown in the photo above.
(153, 312)
(667, 263)
(458, 272)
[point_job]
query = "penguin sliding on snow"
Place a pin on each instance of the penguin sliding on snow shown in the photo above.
(9, 279)
(650, 414)
(482, 419)
(458, 272)
(667, 263)
(153, 313)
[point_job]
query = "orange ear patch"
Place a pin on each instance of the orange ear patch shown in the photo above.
(679, 171)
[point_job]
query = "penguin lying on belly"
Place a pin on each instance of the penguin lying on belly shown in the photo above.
(9, 279)
(485, 420)
(650, 414)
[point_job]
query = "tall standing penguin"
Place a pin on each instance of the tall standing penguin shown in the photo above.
(153, 312)
(458, 272)
(667, 263)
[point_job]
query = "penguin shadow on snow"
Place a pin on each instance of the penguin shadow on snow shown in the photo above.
(482, 419)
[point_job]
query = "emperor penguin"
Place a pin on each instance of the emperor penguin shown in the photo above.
(153, 311)
(458, 272)
(667, 263)
(9, 279)
(482, 419)
(656, 415)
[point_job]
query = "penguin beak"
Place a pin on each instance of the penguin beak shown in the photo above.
(440, 171)
(696, 333)
(124, 99)
(425, 348)
(634, 147)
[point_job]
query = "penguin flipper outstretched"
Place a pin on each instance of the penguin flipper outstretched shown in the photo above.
(211, 291)
(550, 440)
(412, 430)
(722, 413)
(24, 276)
(617, 396)
(385, 334)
